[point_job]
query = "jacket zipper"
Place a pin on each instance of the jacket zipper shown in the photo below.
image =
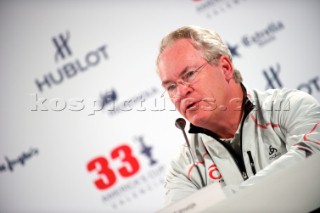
(238, 161)
(248, 106)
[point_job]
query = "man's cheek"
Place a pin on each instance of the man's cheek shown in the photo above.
(209, 104)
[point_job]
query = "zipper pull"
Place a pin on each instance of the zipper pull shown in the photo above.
(244, 175)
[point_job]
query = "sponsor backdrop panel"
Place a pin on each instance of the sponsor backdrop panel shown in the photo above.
(84, 127)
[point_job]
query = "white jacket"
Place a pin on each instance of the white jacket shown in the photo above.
(279, 127)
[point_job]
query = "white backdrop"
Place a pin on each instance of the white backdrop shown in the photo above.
(61, 61)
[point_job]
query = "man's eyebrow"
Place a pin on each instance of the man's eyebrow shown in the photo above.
(165, 82)
(180, 74)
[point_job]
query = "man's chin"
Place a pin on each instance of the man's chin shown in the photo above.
(197, 119)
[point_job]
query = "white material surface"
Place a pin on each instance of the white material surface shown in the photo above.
(292, 190)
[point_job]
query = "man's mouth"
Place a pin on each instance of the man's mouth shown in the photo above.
(192, 106)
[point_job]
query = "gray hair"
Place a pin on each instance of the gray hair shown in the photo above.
(209, 42)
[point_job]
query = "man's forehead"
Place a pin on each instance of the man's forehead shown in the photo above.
(179, 46)
(181, 50)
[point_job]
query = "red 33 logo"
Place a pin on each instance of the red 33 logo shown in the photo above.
(106, 176)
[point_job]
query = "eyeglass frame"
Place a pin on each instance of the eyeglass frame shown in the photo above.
(183, 81)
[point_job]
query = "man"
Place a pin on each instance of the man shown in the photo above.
(237, 136)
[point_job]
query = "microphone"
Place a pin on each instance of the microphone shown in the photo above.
(181, 124)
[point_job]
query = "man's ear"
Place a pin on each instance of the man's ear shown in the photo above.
(226, 66)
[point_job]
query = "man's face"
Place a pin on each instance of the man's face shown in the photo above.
(200, 101)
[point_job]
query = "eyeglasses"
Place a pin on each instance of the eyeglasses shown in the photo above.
(186, 79)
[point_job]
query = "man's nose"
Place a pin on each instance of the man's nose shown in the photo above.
(183, 90)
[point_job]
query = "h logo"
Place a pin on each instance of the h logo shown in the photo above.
(61, 44)
(273, 79)
(109, 97)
